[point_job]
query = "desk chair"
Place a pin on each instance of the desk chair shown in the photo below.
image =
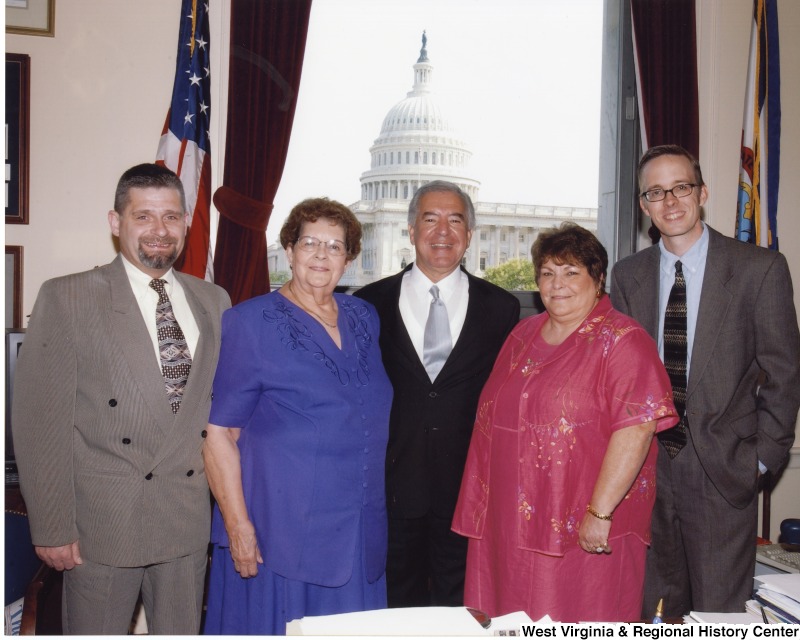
(41, 611)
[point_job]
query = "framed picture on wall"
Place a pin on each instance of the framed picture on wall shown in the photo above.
(18, 87)
(31, 17)
(14, 338)
(13, 287)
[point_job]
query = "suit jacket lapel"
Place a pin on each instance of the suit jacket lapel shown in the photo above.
(470, 329)
(204, 352)
(130, 334)
(715, 300)
(643, 295)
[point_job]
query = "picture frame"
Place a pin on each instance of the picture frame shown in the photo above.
(14, 339)
(31, 17)
(13, 287)
(18, 91)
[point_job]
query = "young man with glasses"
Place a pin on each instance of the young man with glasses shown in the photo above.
(723, 315)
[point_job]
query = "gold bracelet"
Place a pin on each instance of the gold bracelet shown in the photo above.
(599, 516)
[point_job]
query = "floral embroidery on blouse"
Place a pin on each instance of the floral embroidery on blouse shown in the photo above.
(565, 529)
(608, 336)
(532, 367)
(483, 423)
(555, 439)
(649, 409)
(356, 316)
(525, 508)
(296, 335)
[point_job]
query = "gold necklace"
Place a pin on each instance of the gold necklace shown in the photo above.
(307, 310)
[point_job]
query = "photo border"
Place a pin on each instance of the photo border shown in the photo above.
(14, 296)
(38, 19)
(18, 134)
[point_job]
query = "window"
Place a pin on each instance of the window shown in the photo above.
(403, 233)
(337, 18)
(483, 235)
(483, 263)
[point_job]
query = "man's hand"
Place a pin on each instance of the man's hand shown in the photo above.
(60, 558)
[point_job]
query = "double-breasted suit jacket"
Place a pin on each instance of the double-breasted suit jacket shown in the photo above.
(431, 422)
(102, 458)
(746, 336)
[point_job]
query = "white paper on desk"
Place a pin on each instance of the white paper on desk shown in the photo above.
(745, 617)
(513, 622)
(786, 583)
(412, 621)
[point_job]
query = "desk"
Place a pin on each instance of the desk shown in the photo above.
(413, 621)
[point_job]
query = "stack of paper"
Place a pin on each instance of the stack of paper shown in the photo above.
(779, 595)
(747, 617)
(422, 621)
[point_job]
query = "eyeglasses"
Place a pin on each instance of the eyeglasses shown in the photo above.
(679, 191)
(335, 248)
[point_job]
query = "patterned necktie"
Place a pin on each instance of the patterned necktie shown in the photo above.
(438, 343)
(176, 360)
(675, 358)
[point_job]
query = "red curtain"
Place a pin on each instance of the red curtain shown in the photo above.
(666, 53)
(268, 40)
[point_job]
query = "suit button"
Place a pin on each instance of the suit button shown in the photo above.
(126, 441)
(433, 394)
(112, 403)
(190, 473)
(149, 476)
(204, 433)
(212, 395)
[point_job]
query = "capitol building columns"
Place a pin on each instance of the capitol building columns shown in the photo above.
(416, 145)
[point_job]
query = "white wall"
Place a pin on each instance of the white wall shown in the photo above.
(100, 91)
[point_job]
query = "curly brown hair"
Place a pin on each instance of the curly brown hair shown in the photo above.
(571, 244)
(311, 210)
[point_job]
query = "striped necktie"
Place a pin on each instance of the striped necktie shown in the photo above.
(675, 359)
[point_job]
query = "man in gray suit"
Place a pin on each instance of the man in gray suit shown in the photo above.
(742, 389)
(111, 402)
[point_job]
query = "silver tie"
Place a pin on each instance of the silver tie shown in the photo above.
(438, 343)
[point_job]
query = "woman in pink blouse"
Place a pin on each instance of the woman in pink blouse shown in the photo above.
(560, 477)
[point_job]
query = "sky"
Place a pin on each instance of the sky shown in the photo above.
(519, 78)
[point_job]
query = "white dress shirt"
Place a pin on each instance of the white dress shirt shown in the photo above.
(415, 303)
(147, 298)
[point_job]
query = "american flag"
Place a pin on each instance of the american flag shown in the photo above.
(759, 170)
(185, 146)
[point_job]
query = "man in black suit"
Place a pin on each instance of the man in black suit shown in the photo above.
(435, 391)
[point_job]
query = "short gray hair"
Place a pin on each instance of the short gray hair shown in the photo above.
(439, 186)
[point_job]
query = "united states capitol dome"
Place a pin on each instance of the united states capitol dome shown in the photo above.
(418, 143)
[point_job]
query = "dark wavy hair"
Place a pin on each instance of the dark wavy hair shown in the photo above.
(571, 244)
(311, 210)
(146, 176)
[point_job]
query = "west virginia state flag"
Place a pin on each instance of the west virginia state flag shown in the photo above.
(185, 146)
(759, 172)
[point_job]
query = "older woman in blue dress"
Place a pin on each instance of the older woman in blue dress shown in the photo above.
(295, 449)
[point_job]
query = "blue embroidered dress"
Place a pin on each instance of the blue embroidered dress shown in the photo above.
(314, 422)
